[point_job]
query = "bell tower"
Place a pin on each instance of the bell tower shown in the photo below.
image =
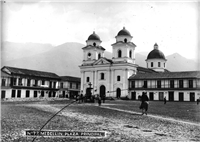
(123, 48)
(93, 50)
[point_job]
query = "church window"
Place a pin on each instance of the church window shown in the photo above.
(88, 79)
(125, 40)
(99, 55)
(89, 55)
(158, 64)
(94, 44)
(119, 53)
(118, 78)
(102, 76)
(151, 64)
(130, 54)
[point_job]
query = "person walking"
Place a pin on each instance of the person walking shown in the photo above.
(144, 103)
(165, 100)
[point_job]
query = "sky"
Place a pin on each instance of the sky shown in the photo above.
(173, 25)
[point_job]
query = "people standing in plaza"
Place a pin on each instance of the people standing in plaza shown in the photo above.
(99, 99)
(165, 100)
(81, 97)
(144, 103)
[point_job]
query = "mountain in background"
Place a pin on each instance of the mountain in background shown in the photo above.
(65, 59)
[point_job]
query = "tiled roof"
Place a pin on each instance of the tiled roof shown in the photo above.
(145, 70)
(28, 72)
(90, 46)
(70, 78)
(167, 75)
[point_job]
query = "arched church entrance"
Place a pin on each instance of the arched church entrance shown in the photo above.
(103, 92)
(118, 95)
(88, 93)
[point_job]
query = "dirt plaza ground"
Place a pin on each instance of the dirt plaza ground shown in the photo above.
(122, 120)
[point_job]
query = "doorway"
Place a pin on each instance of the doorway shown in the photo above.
(102, 91)
(118, 95)
(171, 96)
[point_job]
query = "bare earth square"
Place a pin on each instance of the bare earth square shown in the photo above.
(175, 121)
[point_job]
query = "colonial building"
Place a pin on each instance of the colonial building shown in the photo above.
(120, 76)
(108, 75)
(175, 86)
(69, 86)
(25, 83)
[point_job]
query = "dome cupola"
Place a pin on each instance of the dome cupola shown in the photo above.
(93, 40)
(156, 53)
(124, 32)
(94, 36)
(156, 59)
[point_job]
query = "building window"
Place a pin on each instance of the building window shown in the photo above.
(3, 82)
(61, 85)
(190, 83)
(28, 82)
(36, 83)
(133, 84)
(76, 85)
(3, 94)
(118, 78)
(70, 85)
(145, 84)
(99, 55)
(125, 40)
(35, 94)
(50, 84)
(27, 93)
(164, 65)
(119, 53)
(54, 85)
(158, 83)
(102, 76)
(14, 81)
(88, 79)
(158, 64)
(18, 93)
(130, 54)
(13, 94)
(180, 83)
(151, 64)
(171, 83)
(20, 81)
(89, 56)
(43, 82)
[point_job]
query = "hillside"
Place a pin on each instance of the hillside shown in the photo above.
(65, 59)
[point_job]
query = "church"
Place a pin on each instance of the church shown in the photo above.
(121, 77)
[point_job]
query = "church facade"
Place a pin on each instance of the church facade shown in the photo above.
(121, 77)
(108, 77)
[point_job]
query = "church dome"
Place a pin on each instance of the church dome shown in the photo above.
(156, 53)
(123, 32)
(94, 36)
